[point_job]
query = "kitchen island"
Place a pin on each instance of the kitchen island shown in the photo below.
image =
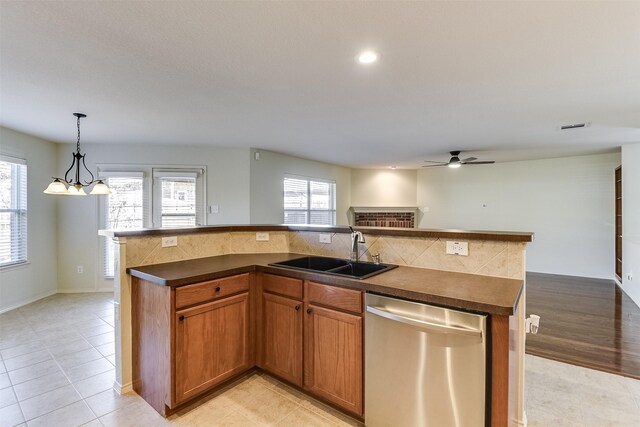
(168, 280)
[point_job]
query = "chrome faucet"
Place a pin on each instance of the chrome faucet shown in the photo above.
(356, 237)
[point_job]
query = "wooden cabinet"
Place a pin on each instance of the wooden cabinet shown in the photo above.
(282, 337)
(211, 344)
(618, 224)
(189, 339)
(333, 356)
(318, 345)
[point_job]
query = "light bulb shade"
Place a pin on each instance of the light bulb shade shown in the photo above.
(454, 165)
(56, 187)
(100, 188)
(76, 190)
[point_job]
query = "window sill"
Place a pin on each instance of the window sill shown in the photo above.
(14, 266)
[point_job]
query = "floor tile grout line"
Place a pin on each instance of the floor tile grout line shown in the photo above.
(57, 388)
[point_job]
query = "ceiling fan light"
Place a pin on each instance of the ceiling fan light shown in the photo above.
(454, 165)
(100, 188)
(56, 187)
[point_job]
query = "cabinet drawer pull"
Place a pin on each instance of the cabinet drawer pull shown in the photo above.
(309, 311)
(297, 308)
(218, 289)
(181, 318)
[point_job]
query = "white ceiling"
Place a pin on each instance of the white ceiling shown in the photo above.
(496, 79)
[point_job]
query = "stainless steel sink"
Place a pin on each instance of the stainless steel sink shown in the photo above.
(335, 266)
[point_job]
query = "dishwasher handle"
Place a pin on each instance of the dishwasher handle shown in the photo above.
(427, 326)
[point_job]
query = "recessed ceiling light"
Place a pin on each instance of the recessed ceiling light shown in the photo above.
(368, 57)
(393, 167)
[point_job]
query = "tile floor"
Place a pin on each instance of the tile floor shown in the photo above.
(56, 369)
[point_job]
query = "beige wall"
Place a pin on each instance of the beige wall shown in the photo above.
(631, 221)
(25, 283)
(78, 241)
(568, 202)
(383, 187)
(267, 177)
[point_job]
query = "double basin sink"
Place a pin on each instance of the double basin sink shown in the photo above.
(335, 266)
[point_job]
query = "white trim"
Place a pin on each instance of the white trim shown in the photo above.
(12, 159)
(14, 265)
(122, 388)
(384, 209)
(176, 173)
(309, 178)
(120, 174)
(93, 290)
(29, 301)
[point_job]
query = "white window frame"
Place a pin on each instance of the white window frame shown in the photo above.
(179, 172)
(103, 208)
(151, 200)
(18, 256)
(308, 210)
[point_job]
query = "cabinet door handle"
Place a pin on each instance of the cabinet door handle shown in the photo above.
(297, 308)
(218, 289)
(181, 318)
(309, 311)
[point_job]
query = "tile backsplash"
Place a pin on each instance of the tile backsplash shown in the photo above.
(489, 258)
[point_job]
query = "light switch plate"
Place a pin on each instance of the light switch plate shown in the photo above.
(458, 248)
(262, 237)
(325, 238)
(168, 242)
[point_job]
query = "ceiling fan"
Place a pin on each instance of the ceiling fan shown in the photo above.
(455, 161)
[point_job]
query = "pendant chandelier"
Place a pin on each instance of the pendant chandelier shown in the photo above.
(74, 186)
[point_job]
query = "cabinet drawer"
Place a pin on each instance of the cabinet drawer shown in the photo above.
(286, 286)
(332, 296)
(206, 291)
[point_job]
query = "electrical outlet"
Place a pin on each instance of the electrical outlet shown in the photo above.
(262, 237)
(214, 209)
(324, 238)
(168, 242)
(80, 269)
(458, 248)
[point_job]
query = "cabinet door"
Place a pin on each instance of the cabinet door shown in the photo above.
(282, 336)
(212, 344)
(333, 356)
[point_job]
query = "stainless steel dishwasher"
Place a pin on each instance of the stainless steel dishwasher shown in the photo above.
(425, 366)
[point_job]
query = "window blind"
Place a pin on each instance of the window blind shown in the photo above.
(13, 211)
(124, 209)
(178, 198)
(309, 201)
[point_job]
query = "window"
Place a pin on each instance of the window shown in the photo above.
(148, 196)
(309, 201)
(13, 211)
(179, 200)
(124, 209)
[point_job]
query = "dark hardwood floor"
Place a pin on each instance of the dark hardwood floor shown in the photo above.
(585, 322)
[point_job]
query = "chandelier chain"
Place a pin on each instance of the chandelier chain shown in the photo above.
(78, 142)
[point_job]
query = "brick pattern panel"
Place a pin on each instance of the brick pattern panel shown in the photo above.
(385, 219)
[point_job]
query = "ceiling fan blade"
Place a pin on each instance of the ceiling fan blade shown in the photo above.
(480, 163)
(470, 159)
(432, 161)
(433, 166)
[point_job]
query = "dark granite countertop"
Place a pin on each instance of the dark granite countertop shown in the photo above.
(505, 236)
(486, 294)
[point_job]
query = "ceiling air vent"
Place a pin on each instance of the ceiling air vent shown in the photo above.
(573, 126)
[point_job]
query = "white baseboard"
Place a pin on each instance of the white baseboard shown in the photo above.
(28, 301)
(521, 423)
(122, 388)
(83, 290)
